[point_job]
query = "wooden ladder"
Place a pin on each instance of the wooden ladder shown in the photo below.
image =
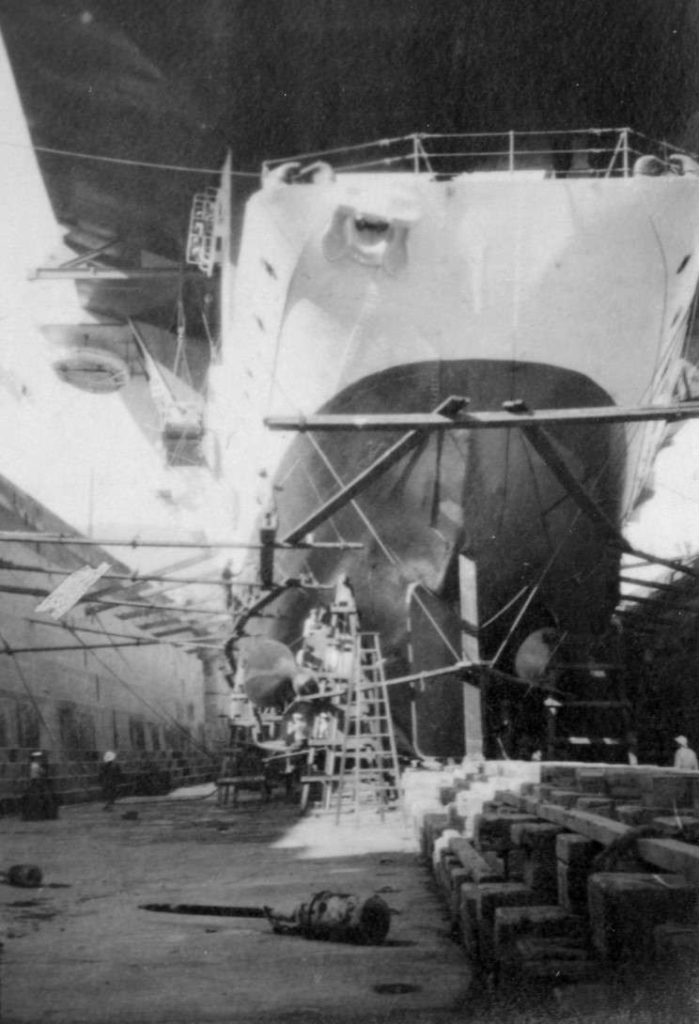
(368, 769)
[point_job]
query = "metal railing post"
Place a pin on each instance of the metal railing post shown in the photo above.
(512, 151)
(625, 145)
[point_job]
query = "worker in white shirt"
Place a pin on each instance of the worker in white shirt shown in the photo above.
(685, 758)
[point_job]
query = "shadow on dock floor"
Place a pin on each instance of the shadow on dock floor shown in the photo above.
(86, 952)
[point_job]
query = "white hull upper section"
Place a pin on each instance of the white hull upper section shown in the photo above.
(591, 275)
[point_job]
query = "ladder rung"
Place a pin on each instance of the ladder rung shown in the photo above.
(363, 762)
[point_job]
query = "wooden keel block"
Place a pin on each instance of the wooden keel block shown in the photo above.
(494, 831)
(625, 908)
(511, 923)
(479, 869)
(488, 898)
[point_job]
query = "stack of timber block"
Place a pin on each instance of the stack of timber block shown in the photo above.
(565, 873)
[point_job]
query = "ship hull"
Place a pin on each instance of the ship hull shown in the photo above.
(484, 495)
(390, 293)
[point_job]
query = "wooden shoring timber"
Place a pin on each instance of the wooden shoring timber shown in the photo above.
(450, 415)
(645, 615)
(164, 620)
(11, 651)
(450, 407)
(110, 634)
(508, 419)
(662, 603)
(646, 629)
(30, 537)
(667, 854)
(172, 632)
(597, 704)
(650, 584)
(663, 619)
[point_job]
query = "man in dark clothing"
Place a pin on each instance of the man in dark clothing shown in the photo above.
(110, 779)
(39, 802)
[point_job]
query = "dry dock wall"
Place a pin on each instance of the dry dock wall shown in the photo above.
(580, 878)
(155, 704)
(148, 703)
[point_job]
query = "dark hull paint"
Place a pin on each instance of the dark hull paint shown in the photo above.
(485, 494)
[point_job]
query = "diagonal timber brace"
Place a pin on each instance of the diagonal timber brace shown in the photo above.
(544, 445)
(452, 415)
(446, 410)
(450, 407)
(542, 442)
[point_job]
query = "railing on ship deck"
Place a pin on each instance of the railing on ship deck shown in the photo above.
(588, 152)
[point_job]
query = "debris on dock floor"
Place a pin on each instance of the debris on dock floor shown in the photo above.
(87, 952)
(518, 891)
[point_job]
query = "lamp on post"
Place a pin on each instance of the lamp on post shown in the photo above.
(552, 705)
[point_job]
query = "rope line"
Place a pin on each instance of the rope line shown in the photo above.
(389, 554)
(30, 692)
(417, 138)
(126, 161)
(163, 715)
(535, 588)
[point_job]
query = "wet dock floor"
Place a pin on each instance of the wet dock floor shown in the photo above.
(81, 948)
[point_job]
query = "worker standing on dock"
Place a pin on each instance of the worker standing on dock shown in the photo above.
(685, 758)
(39, 802)
(110, 778)
(296, 736)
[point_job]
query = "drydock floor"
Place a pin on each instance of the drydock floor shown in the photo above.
(81, 949)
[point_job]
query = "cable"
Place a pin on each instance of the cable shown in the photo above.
(383, 143)
(505, 608)
(180, 168)
(535, 589)
(29, 691)
(132, 579)
(164, 716)
(389, 554)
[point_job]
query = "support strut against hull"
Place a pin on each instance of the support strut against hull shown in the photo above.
(515, 415)
(436, 421)
(449, 408)
(544, 445)
(29, 537)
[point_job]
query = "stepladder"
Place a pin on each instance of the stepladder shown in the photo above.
(352, 757)
(367, 769)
